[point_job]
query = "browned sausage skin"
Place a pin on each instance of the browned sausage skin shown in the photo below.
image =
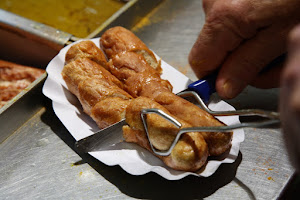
(117, 40)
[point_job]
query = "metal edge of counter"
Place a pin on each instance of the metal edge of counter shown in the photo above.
(21, 108)
(33, 30)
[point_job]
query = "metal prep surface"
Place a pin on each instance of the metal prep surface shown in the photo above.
(38, 161)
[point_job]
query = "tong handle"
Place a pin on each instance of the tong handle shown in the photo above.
(205, 86)
(244, 112)
(144, 112)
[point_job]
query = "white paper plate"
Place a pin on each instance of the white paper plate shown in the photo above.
(132, 158)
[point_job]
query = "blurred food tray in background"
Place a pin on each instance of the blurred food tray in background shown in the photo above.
(77, 17)
(33, 35)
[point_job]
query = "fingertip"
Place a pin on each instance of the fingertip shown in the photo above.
(294, 35)
(196, 63)
(229, 88)
(197, 69)
(193, 60)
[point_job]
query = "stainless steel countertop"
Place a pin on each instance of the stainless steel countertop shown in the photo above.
(38, 161)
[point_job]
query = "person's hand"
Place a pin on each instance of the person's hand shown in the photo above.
(290, 99)
(240, 38)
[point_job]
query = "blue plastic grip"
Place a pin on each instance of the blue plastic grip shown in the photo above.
(204, 87)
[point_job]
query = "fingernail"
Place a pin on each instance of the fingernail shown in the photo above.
(231, 89)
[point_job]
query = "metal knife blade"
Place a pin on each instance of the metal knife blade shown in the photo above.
(102, 139)
(112, 135)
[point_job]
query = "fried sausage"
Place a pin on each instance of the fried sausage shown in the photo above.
(98, 91)
(92, 90)
(80, 69)
(117, 40)
(135, 73)
(109, 111)
(86, 49)
(189, 154)
(140, 79)
(218, 142)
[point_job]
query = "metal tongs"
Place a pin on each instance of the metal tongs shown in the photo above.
(272, 119)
